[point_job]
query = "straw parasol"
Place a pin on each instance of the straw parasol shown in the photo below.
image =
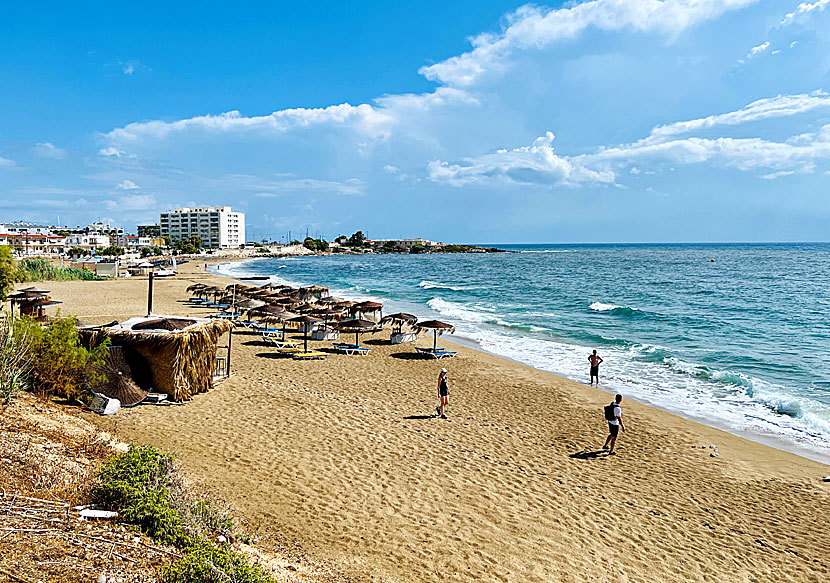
(305, 321)
(398, 320)
(364, 308)
(437, 328)
(112, 377)
(316, 291)
(357, 326)
(194, 287)
(327, 313)
(250, 304)
(279, 317)
(329, 300)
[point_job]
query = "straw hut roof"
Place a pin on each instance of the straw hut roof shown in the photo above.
(38, 303)
(435, 326)
(181, 351)
(34, 290)
(400, 317)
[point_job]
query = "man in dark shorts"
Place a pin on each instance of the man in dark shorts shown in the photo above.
(443, 393)
(594, 359)
(615, 422)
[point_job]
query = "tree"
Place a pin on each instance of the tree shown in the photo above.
(357, 239)
(190, 245)
(417, 248)
(389, 245)
(76, 252)
(7, 272)
(112, 250)
(315, 244)
(150, 251)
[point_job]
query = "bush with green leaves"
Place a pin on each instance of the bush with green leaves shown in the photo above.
(207, 563)
(60, 361)
(150, 251)
(16, 359)
(41, 270)
(112, 251)
(136, 485)
(8, 273)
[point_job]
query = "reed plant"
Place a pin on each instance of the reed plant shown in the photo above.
(16, 359)
(41, 270)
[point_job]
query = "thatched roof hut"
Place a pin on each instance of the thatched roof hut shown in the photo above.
(181, 351)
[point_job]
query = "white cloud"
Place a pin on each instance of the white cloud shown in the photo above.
(48, 150)
(112, 152)
(6, 163)
(537, 27)
(535, 164)
(136, 202)
(130, 67)
(363, 117)
(127, 185)
(759, 49)
(779, 106)
(805, 8)
(351, 186)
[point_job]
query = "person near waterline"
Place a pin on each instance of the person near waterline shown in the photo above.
(613, 415)
(594, 359)
(443, 393)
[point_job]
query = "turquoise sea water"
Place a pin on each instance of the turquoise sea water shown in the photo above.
(741, 342)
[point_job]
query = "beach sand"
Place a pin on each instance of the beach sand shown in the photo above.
(341, 460)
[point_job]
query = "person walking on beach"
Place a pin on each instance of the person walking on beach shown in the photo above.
(613, 414)
(594, 359)
(443, 393)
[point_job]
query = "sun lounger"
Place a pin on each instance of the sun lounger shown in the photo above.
(281, 345)
(436, 353)
(350, 349)
(310, 355)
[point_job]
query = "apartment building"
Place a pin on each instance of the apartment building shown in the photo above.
(217, 226)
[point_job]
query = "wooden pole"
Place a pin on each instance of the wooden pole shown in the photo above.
(150, 295)
(230, 339)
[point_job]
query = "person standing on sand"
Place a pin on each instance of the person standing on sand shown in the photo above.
(443, 393)
(594, 359)
(613, 414)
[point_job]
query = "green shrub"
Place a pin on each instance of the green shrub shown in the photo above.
(136, 485)
(8, 274)
(15, 359)
(206, 563)
(60, 361)
(41, 270)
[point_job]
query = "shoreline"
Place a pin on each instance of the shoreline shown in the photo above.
(773, 441)
(342, 460)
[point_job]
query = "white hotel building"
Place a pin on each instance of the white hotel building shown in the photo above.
(217, 226)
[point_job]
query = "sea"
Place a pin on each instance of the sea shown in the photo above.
(736, 336)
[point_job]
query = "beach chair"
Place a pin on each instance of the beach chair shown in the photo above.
(283, 346)
(438, 352)
(351, 349)
(310, 355)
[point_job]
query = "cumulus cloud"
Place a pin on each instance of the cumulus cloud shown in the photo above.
(113, 152)
(803, 9)
(135, 202)
(535, 164)
(759, 49)
(538, 27)
(48, 150)
(127, 185)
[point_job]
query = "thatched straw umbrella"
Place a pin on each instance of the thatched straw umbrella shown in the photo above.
(357, 326)
(196, 287)
(305, 321)
(286, 300)
(282, 317)
(112, 377)
(437, 328)
(327, 313)
(250, 304)
(329, 300)
(398, 320)
(313, 291)
(366, 308)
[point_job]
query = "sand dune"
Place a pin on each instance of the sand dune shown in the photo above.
(342, 460)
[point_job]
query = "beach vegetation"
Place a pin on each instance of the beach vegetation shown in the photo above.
(8, 273)
(112, 251)
(16, 359)
(315, 244)
(188, 246)
(42, 270)
(143, 486)
(357, 239)
(205, 562)
(151, 251)
(59, 360)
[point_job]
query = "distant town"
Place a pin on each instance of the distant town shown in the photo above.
(208, 230)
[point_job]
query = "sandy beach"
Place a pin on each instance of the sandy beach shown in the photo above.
(342, 460)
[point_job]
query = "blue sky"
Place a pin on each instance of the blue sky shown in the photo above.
(601, 121)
